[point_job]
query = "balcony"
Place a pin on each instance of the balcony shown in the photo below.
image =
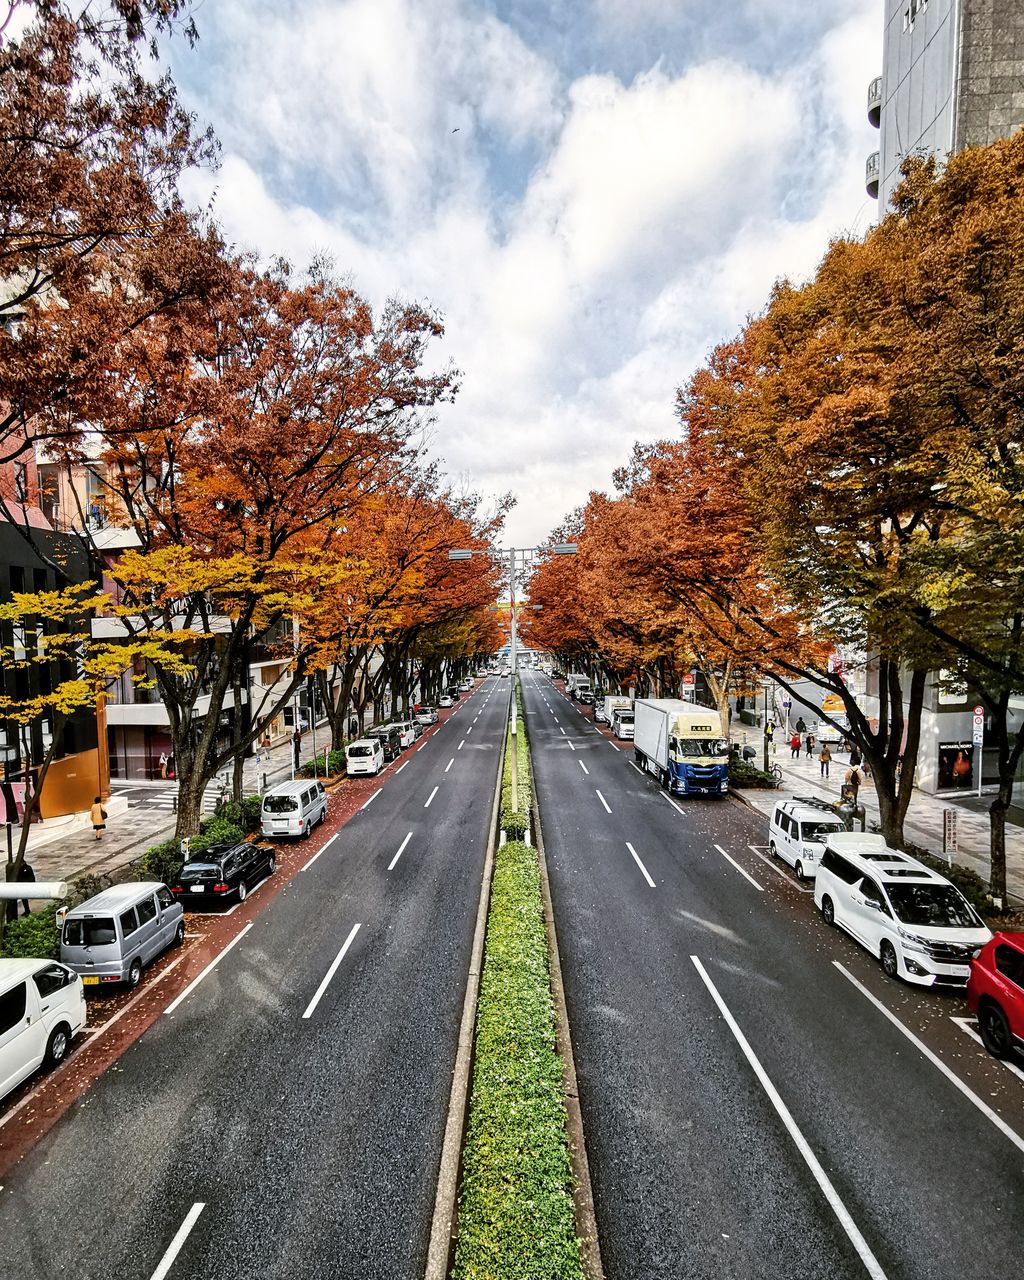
(875, 101)
(871, 175)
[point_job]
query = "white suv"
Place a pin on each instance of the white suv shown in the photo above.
(797, 833)
(920, 926)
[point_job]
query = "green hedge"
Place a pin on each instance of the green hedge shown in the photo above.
(332, 767)
(231, 823)
(515, 821)
(516, 1215)
(970, 884)
(32, 937)
(743, 774)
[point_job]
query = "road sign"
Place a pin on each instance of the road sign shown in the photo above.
(787, 703)
(979, 711)
(949, 832)
(688, 678)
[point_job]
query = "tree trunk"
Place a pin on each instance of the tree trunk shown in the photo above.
(997, 837)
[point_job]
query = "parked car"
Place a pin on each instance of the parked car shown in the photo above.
(995, 994)
(42, 1009)
(426, 716)
(584, 693)
(465, 686)
(110, 937)
(797, 831)
(406, 732)
(389, 739)
(919, 925)
(224, 871)
(293, 808)
(445, 700)
(364, 756)
(624, 724)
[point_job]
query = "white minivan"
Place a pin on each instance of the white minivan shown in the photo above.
(797, 833)
(42, 1008)
(365, 755)
(293, 808)
(919, 925)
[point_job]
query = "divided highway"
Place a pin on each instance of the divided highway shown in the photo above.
(284, 1118)
(753, 1099)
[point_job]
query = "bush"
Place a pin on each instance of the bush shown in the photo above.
(970, 884)
(33, 937)
(515, 1205)
(161, 862)
(743, 774)
(244, 813)
(331, 766)
(164, 861)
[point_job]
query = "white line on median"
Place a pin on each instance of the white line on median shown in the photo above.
(305, 866)
(584, 768)
(778, 870)
(209, 969)
(673, 804)
(182, 1234)
(449, 764)
(330, 973)
(983, 1107)
(820, 1176)
(430, 797)
(744, 874)
(636, 859)
(603, 801)
(371, 799)
(635, 766)
(400, 768)
(613, 746)
(401, 850)
(969, 1025)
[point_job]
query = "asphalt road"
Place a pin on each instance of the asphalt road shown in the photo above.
(299, 1094)
(846, 1150)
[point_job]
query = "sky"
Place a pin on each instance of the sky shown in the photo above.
(591, 193)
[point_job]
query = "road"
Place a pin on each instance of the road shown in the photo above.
(750, 1108)
(299, 1092)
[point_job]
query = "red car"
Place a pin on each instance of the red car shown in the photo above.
(995, 992)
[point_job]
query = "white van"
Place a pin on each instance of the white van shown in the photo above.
(797, 832)
(406, 732)
(293, 808)
(365, 755)
(623, 723)
(42, 1008)
(112, 936)
(920, 926)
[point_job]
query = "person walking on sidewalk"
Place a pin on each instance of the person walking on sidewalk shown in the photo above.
(98, 817)
(809, 743)
(801, 725)
(794, 744)
(26, 875)
(825, 759)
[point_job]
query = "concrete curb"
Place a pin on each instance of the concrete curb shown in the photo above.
(439, 1250)
(583, 1197)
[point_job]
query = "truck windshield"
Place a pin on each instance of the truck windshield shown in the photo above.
(703, 747)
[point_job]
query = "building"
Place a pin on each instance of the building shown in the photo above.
(952, 77)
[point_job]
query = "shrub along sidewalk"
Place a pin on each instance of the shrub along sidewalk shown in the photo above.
(516, 1213)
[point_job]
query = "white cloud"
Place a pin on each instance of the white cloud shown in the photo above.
(587, 260)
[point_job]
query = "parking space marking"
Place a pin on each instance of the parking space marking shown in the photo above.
(180, 1236)
(820, 1176)
(371, 799)
(951, 1076)
(636, 859)
(311, 1007)
(401, 850)
(675, 806)
(791, 880)
(209, 969)
(746, 875)
(400, 768)
(969, 1025)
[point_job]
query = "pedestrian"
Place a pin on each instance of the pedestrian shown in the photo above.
(26, 875)
(825, 759)
(265, 746)
(163, 764)
(98, 817)
(794, 743)
(855, 756)
(809, 744)
(769, 733)
(172, 768)
(296, 746)
(801, 725)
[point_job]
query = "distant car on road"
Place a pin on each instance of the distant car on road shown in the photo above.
(224, 871)
(445, 700)
(995, 994)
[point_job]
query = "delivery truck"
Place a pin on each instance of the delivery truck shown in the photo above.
(605, 708)
(682, 745)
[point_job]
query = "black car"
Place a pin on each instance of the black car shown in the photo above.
(223, 871)
(390, 740)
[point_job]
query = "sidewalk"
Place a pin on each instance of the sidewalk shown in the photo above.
(923, 824)
(62, 849)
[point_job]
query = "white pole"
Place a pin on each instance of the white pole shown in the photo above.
(29, 889)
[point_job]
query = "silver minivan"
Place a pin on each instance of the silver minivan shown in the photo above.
(293, 808)
(112, 936)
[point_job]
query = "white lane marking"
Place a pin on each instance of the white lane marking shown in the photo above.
(330, 973)
(181, 1235)
(371, 799)
(636, 767)
(449, 764)
(571, 747)
(209, 969)
(401, 850)
(677, 808)
(306, 865)
(430, 797)
(744, 874)
(643, 869)
(231, 910)
(461, 745)
(983, 1107)
(820, 1176)
(557, 721)
(789, 879)
(400, 768)
(562, 732)
(613, 746)
(469, 731)
(969, 1025)
(603, 801)
(584, 768)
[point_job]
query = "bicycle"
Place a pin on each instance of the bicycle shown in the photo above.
(776, 772)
